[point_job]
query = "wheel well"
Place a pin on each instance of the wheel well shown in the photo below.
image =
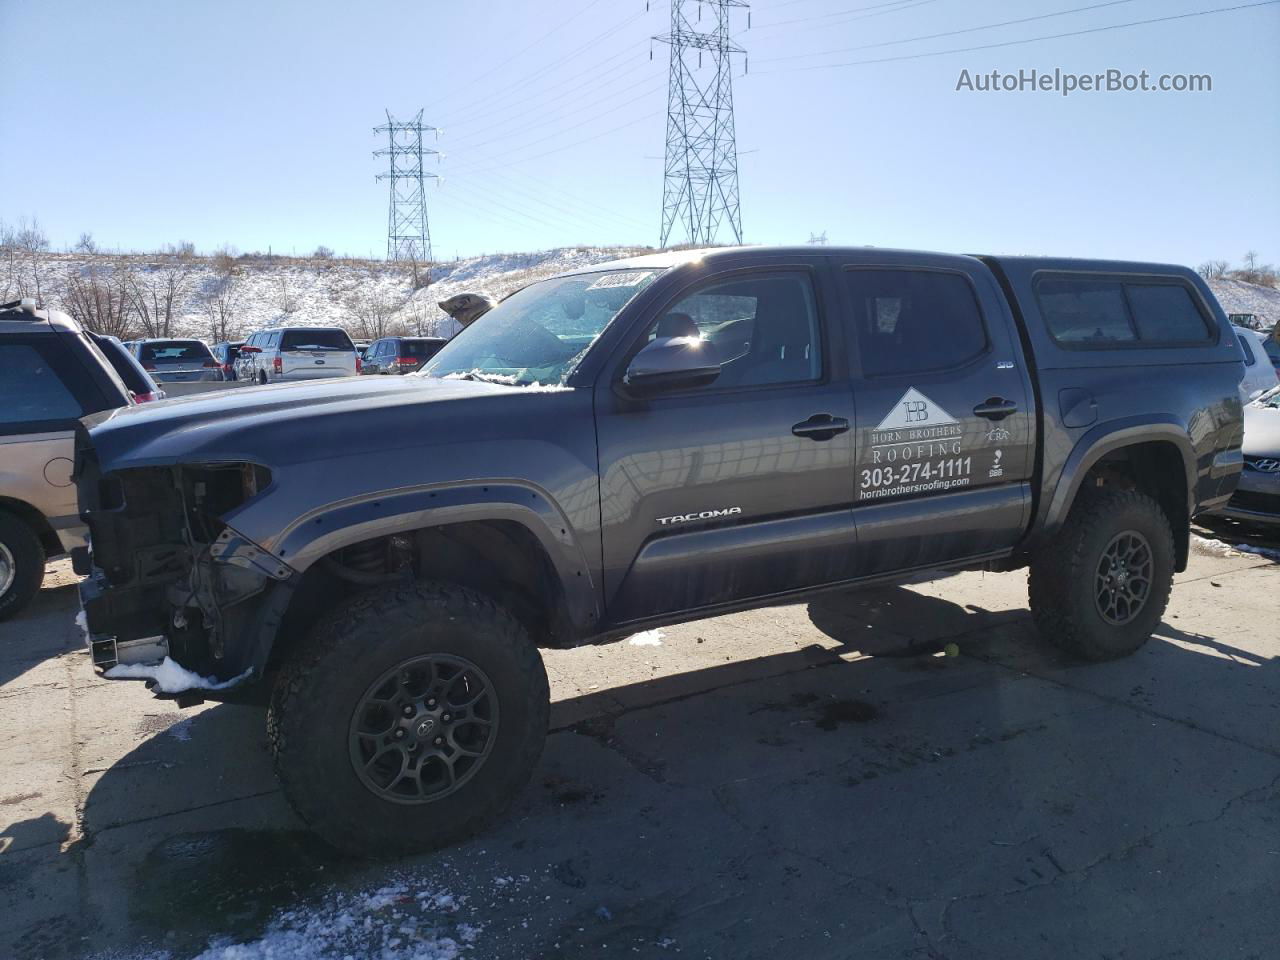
(36, 521)
(1155, 468)
(499, 558)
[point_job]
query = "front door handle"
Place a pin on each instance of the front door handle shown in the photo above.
(995, 408)
(821, 426)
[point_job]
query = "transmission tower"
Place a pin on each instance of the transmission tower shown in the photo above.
(408, 234)
(700, 186)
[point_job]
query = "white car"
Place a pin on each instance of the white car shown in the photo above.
(1259, 374)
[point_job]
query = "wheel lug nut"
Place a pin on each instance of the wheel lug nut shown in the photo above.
(431, 703)
(446, 718)
(439, 740)
(408, 711)
(399, 734)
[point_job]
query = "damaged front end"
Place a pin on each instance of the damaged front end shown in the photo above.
(167, 577)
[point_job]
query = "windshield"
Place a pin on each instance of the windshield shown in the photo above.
(316, 340)
(174, 351)
(538, 335)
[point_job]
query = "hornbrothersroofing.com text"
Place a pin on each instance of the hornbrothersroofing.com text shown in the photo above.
(1061, 82)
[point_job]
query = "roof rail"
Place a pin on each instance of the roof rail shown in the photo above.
(26, 305)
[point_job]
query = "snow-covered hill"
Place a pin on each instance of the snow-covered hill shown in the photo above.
(213, 297)
(1238, 297)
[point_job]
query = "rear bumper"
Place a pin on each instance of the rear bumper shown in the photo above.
(203, 376)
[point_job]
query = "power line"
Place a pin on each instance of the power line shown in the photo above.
(542, 121)
(1014, 43)
(552, 65)
(853, 13)
(576, 143)
(948, 33)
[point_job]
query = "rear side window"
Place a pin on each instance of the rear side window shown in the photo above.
(913, 321)
(30, 389)
(1249, 357)
(1085, 311)
(1102, 312)
(316, 340)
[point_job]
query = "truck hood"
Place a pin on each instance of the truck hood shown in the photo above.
(1261, 431)
(284, 423)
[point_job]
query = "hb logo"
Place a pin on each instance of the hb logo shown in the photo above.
(917, 411)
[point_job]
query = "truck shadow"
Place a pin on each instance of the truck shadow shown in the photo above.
(726, 773)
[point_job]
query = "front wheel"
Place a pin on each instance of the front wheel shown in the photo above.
(1101, 588)
(410, 719)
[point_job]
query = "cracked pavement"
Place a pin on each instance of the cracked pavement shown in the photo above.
(814, 781)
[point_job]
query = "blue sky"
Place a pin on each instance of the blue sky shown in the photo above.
(249, 123)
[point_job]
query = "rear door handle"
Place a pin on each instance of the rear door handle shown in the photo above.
(995, 408)
(821, 426)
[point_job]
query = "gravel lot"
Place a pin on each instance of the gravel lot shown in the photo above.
(815, 781)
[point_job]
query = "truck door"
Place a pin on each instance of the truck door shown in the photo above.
(945, 440)
(739, 488)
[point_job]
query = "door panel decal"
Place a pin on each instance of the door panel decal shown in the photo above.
(917, 448)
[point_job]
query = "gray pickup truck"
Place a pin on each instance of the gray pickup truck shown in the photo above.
(643, 443)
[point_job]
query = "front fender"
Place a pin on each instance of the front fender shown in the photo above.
(323, 530)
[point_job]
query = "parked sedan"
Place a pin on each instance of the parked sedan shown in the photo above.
(399, 355)
(1257, 498)
(178, 361)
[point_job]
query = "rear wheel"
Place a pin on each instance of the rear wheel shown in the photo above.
(410, 720)
(262, 378)
(1101, 588)
(21, 564)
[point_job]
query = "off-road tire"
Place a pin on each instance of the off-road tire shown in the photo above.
(317, 691)
(1063, 578)
(28, 556)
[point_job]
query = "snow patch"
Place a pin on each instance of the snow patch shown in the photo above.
(170, 677)
(646, 638)
(1269, 552)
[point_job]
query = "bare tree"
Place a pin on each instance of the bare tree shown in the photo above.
(221, 301)
(285, 300)
(1213, 269)
(99, 301)
(26, 245)
(158, 291)
(86, 244)
(1254, 271)
(372, 310)
(322, 253)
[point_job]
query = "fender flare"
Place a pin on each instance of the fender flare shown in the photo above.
(1105, 438)
(323, 530)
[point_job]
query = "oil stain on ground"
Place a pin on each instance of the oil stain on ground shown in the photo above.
(200, 885)
(832, 715)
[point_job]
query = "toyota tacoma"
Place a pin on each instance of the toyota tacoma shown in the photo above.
(636, 444)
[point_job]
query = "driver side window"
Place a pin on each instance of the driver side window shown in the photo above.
(764, 328)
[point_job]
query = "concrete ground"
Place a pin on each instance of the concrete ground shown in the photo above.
(812, 781)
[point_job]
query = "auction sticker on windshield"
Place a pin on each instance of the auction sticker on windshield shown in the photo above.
(917, 448)
(623, 278)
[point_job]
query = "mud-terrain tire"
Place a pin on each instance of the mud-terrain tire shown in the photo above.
(21, 564)
(391, 646)
(1087, 587)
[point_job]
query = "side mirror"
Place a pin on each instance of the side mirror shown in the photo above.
(672, 363)
(250, 349)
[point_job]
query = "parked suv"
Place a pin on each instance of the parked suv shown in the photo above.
(638, 444)
(141, 387)
(51, 374)
(400, 354)
(226, 354)
(297, 353)
(177, 361)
